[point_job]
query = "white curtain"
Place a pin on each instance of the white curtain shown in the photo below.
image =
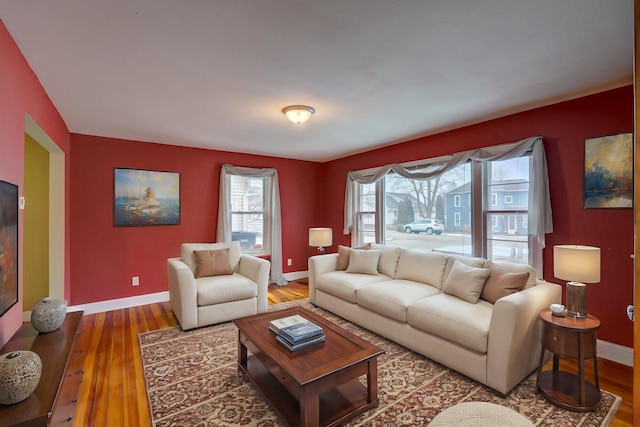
(540, 221)
(273, 229)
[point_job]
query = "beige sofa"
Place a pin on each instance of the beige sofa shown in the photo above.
(204, 301)
(495, 344)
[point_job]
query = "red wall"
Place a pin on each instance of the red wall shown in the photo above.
(564, 127)
(104, 257)
(22, 93)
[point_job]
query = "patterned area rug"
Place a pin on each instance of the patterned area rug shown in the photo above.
(193, 379)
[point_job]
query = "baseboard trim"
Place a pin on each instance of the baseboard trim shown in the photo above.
(615, 352)
(120, 303)
(295, 275)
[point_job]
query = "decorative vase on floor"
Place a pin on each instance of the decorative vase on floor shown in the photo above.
(19, 375)
(48, 315)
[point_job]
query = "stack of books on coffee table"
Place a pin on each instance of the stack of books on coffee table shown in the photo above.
(296, 332)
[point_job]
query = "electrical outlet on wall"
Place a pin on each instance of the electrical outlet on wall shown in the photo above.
(135, 281)
(289, 262)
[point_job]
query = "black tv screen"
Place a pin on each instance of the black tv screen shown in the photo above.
(8, 246)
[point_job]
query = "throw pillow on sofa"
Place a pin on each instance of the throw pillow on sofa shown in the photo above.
(343, 255)
(502, 283)
(363, 261)
(466, 282)
(212, 263)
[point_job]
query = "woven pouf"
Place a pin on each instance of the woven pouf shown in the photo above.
(476, 414)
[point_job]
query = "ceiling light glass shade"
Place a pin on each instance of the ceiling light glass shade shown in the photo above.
(298, 113)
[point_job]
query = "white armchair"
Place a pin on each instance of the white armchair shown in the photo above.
(208, 300)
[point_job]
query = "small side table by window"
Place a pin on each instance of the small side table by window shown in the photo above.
(576, 339)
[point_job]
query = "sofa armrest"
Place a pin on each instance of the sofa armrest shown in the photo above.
(514, 334)
(182, 293)
(320, 264)
(257, 269)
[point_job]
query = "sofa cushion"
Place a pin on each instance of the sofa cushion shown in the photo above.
(512, 267)
(473, 262)
(344, 285)
(212, 263)
(187, 256)
(219, 289)
(388, 262)
(422, 266)
(343, 255)
(391, 298)
(501, 283)
(453, 319)
(466, 282)
(363, 261)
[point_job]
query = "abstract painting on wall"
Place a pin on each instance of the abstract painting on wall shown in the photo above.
(608, 171)
(143, 197)
(8, 246)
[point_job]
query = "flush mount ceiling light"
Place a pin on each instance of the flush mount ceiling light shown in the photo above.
(298, 114)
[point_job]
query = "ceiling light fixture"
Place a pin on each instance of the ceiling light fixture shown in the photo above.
(298, 114)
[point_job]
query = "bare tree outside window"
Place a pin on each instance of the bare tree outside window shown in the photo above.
(428, 198)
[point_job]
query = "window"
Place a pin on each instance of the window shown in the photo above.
(247, 213)
(411, 205)
(426, 190)
(425, 211)
(366, 214)
(508, 237)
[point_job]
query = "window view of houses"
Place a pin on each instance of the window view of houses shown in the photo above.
(247, 211)
(443, 213)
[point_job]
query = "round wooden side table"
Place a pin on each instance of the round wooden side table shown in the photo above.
(576, 339)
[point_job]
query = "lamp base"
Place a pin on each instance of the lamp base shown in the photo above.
(576, 300)
(321, 250)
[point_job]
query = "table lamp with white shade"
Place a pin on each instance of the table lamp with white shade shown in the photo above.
(580, 265)
(321, 237)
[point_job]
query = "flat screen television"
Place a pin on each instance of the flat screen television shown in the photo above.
(8, 246)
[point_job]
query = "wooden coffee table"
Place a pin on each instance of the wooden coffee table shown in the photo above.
(314, 386)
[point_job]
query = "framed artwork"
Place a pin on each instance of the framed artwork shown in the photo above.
(144, 197)
(608, 172)
(8, 246)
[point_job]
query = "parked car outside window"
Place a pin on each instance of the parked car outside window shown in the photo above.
(429, 226)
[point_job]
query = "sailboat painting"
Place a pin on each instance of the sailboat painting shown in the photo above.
(143, 197)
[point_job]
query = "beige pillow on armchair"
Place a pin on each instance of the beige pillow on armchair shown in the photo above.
(212, 263)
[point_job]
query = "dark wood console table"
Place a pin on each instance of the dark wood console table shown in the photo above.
(575, 339)
(54, 400)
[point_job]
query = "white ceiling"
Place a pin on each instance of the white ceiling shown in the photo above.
(216, 73)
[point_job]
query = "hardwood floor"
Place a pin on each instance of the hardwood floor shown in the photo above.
(113, 390)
